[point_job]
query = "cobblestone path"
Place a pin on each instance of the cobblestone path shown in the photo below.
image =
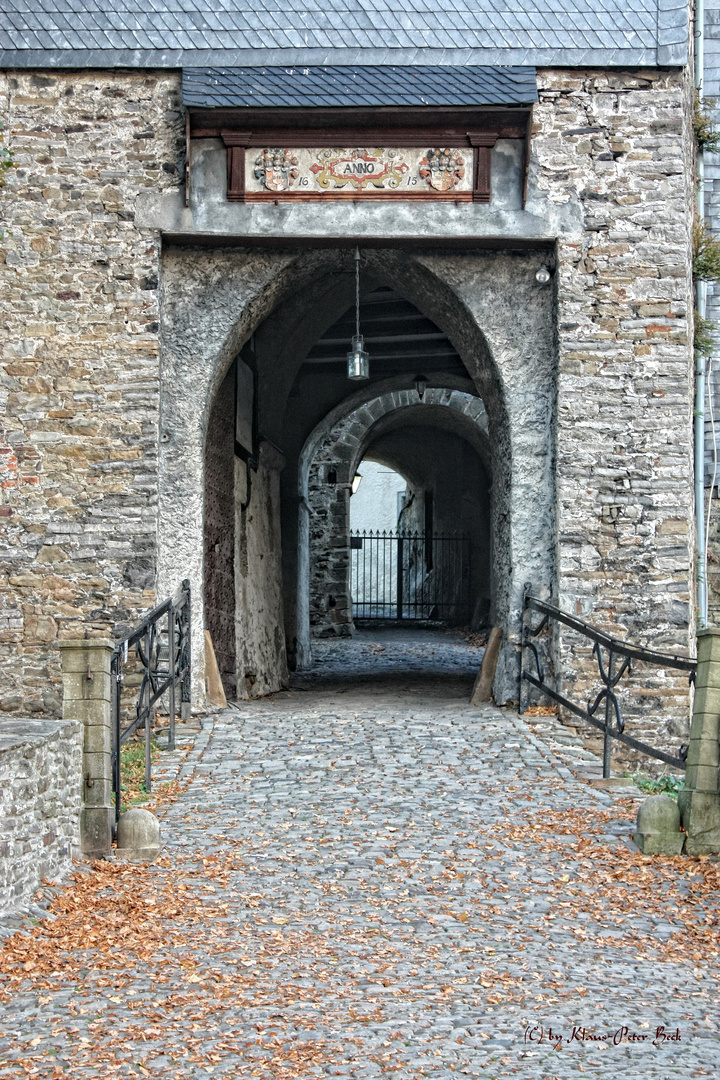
(367, 877)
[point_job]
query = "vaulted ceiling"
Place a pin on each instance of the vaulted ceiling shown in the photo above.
(398, 337)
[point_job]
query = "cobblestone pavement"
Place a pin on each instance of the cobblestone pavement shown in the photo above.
(365, 876)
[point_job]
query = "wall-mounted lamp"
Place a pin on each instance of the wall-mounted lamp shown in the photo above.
(332, 476)
(356, 482)
(542, 276)
(421, 385)
(358, 361)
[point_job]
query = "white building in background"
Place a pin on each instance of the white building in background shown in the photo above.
(377, 503)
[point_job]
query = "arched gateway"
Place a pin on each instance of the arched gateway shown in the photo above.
(233, 515)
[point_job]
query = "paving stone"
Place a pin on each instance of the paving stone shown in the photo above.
(372, 924)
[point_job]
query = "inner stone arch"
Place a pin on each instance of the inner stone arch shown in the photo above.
(439, 444)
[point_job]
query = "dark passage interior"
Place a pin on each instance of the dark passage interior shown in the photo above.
(382, 662)
(273, 556)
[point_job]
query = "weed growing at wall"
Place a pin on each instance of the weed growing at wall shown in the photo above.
(7, 161)
(658, 785)
(703, 341)
(706, 253)
(707, 136)
(706, 267)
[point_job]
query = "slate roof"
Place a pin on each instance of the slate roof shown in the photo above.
(232, 33)
(339, 86)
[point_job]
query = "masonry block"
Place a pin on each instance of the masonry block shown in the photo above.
(701, 812)
(86, 668)
(699, 802)
(96, 825)
(707, 700)
(97, 739)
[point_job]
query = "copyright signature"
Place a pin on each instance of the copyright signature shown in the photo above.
(623, 1034)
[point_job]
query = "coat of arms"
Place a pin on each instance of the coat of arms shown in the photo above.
(442, 169)
(276, 169)
(360, 169)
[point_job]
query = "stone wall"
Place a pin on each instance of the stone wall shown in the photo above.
(260, 638)
(374, 506)
(98, 153)
(620, 142)
(40, 801)
(242, 555)
(79, 352)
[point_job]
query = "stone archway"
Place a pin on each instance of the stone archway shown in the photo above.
(327, 467)
(489, 305)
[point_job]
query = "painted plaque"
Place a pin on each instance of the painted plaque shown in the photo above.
(359, 172)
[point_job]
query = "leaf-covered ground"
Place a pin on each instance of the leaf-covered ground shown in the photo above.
(372, 878)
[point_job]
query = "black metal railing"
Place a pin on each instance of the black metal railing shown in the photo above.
(410, 575)
(160, 657)
(614, 659)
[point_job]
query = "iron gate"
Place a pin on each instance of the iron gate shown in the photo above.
(405, 575)
(157, 655)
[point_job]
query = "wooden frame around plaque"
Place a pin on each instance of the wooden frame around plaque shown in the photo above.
(476, 129)
(481, 145)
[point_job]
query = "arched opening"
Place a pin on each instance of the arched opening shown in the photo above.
(432, 560)
(444, 524)
(227, 514)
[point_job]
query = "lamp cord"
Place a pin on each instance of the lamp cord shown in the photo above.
(357, 292)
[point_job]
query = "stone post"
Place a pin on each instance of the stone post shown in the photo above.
(87, 698)
(699, 802)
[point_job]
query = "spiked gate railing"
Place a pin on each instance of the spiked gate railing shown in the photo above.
(614, 659)
(162, 653)
(410, 575)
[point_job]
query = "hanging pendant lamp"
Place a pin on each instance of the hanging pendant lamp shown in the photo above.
(358, 361)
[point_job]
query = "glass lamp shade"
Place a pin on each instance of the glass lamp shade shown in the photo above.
(358, 361)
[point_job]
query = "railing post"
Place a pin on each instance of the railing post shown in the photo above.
(699, 802)
(523, 695)
(150, 633)
(86, 697)
(172, 669)
(116, 676)
(400, 557)
(607, 737)
(186, 686)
